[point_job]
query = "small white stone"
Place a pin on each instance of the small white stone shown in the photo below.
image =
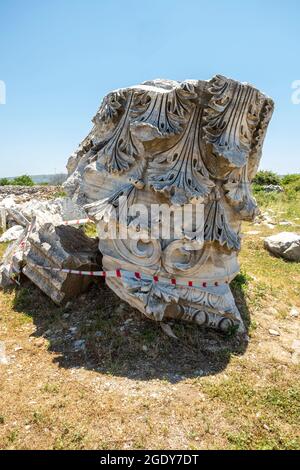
(285, 222)
(294, 312)
(3, 357)
(296, 345)
(273, 310)
(252, 232)
(12, 234)
(274, 332)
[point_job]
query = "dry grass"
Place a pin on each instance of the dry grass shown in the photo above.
(133, 387)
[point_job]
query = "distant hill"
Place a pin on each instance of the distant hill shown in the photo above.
(58, 178)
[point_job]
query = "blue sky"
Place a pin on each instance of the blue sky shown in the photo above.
(59, 58)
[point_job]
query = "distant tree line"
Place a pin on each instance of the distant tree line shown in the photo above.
(23, 180)
(290, 182)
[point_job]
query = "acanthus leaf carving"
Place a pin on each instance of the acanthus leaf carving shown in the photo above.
(217, 228)
(231, 117)
(122, 148)
(165, 111)
(110, 107)
(169, 143)
(266, 111)
(100, 209)
(180, 170)
(239, 194)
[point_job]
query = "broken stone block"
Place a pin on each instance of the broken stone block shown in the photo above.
(285, 245)
(15, 216)
(12, 260)
(61, 247)
(12, 234)
(40, 234)
(55, 211)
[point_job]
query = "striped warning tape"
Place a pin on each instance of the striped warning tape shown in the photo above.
(119, 273)
(78, 222)
(3, 212)
(24, 241)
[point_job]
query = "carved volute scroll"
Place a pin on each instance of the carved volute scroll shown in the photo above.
(174, 143)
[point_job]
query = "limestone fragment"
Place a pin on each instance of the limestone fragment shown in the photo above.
(61, 247)
(12, 234)
(285, 245)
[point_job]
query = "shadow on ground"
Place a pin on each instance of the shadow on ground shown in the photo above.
(98, 331)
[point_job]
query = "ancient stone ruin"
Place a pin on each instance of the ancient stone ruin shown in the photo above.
(194, 144)
(44, 247)
(165, 175)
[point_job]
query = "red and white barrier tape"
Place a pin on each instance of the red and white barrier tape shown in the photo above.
(24, 241)
(77, 222)
(72, 222)
(119, 273)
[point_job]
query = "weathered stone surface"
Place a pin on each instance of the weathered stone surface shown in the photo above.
(266, 219)
(294, 312)
(26, 193)
(12, 261)
(60, 247)
(273, 188)
(41, 222)
(284, 244)
(174, 143)
(3, 357)
(12, 234)
(55, 211)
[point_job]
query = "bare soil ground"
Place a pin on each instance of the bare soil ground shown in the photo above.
(96, 375)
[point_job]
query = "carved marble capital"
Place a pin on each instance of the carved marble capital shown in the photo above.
(174, 143)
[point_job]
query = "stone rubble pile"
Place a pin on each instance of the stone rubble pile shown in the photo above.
(273, 188)
(267, 218)
(13, 233)
(41, 239)
(26, 193)
(55, 211)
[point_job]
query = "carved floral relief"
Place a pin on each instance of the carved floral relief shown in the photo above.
(174, 143)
